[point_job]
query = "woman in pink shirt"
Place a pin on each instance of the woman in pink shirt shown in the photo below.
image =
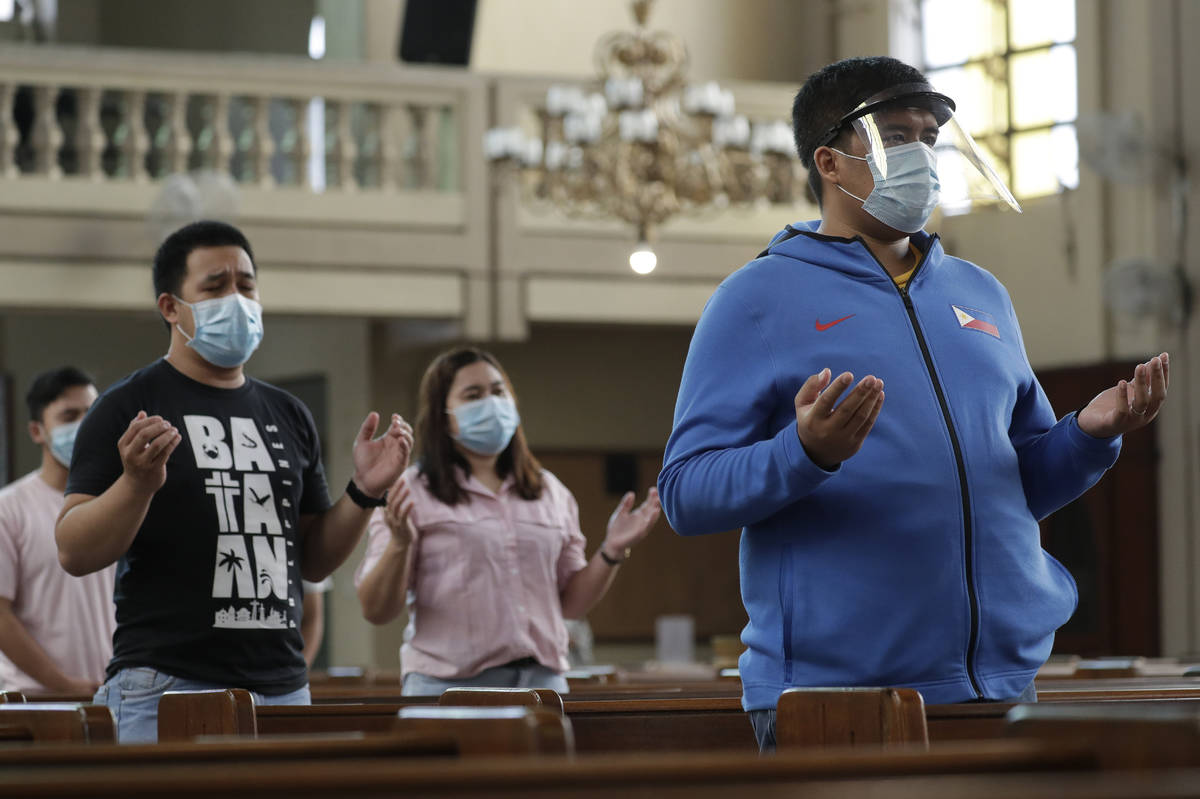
(483, 545)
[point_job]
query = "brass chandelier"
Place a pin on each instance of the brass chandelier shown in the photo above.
(641, 145)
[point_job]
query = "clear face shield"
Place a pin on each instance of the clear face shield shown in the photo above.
(915, 112)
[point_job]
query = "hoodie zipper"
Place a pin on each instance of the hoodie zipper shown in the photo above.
(968, 554)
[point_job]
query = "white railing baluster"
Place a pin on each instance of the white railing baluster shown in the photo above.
(47, 134)
(8, 131)
(263, 146)
(178, 148)
(222, 137)
(136, 145)
(89, 135)
(391, 138)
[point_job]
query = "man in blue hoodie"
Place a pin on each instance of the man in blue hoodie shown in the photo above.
(885, 542)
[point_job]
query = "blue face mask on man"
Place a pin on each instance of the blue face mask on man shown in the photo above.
(228, 329)
(905, 199)
(485, 426)
(62, 441)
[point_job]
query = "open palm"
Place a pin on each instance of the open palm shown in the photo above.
(379, 462)
(628, 525)
(1129, 404)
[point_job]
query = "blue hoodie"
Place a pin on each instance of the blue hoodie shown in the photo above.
(916, 562)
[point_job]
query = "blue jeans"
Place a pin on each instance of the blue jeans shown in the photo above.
(132, 695)
(533, 675)
(763, 721)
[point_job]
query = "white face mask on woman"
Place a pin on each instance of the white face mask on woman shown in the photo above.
(905, 199)
(485, 426)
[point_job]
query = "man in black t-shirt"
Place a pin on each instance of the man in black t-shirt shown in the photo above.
(206, 486)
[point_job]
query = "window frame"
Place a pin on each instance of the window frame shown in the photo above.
(999, 140)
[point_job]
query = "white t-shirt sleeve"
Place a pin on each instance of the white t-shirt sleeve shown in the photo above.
(10, 549)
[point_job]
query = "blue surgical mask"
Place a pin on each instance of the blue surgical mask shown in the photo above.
(486, 426)
(228, 329)
(905, 199)
(62, 442)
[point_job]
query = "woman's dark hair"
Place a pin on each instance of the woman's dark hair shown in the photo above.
(437, 455)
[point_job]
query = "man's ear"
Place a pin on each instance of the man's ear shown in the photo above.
(826, 164)
(37, 434)
(168, 306)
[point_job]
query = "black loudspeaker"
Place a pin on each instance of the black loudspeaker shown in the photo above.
(437, 31)
(620, 473)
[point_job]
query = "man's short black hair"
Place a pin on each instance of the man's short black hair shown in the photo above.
(834, 91)
(49, 386)
(170, 262)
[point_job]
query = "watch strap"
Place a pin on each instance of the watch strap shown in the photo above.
(362, 500)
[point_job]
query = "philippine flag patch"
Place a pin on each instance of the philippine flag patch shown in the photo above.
(971, 319)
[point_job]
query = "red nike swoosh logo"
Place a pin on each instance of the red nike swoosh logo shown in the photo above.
(822, 327)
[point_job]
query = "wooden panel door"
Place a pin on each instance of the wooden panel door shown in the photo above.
(1108, 538)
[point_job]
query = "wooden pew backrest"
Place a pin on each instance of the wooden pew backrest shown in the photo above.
(837, 717)
(184, 715)
(45, 722)
(490, 730)
(1126, 735)
(490, 697)
(502, 697)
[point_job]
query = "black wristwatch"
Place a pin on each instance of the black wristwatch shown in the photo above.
(610, 560)
(362, 500)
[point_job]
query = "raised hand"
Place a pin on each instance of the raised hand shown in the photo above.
(831, 434)
(1128, 405)
(397, 514)
(145, 447)
(628, 525)
(379, 462)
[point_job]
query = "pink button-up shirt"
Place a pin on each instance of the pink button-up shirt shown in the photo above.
(487, 577)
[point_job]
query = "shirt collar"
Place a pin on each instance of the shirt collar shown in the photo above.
(471, 483)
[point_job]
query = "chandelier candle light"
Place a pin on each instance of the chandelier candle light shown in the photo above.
(641, 146)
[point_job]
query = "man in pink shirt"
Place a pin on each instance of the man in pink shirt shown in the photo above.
(55, 629)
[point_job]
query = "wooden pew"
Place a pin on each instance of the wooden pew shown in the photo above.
(35, 723)
(715, 688)
(1157, 686)
(847, 717)
(499, 697)
(611, 722)
(340, 746)
(1131, 735)
(961, 760)
(659, 725)
(825, 773)
(611, 725)
(186, 715)
(492, 730)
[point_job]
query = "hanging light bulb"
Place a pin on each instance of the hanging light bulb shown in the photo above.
(643, 260)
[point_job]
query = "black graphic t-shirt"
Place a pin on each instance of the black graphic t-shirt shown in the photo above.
(210, 589)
